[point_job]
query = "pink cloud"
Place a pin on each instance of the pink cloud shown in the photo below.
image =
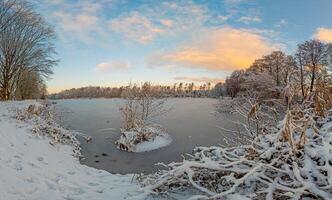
(112, 65)
(166, 22)
(76, 23)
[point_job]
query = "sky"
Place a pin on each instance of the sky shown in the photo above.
(115, 42)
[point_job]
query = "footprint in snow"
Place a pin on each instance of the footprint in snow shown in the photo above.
(100, 191)
(29, 180)
(50, 185)
(18, 167)
(79, 191)
(40, 159)
(33, 165)
(71, 173)
(93, 184)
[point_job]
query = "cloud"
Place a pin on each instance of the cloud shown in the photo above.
(166, 22)
(77, 20)
(224, 49)
(113, 65)
(88, 21)
(281, 23)
(136, 27)
(324, 34)
(234, 1)
(199, 79)
(145, 24)
(222, 18)
(76, 23)
(249, 19)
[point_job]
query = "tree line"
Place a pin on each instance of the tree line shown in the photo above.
(269, 76)
(176, 90)
(26, 51)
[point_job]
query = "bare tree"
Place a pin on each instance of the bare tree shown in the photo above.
(233, 83)
(275, 62)
(315, 56)
(30, 86)
(299, 56)
(142, 106)
(9, 12)
(26, 43)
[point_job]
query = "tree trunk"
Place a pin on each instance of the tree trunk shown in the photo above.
(313, 76)
(278, 81)
(302, 83)
(5, 92)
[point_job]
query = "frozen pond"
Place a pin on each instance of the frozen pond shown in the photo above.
(191, 122)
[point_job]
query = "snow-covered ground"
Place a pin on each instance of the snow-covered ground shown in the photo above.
(31, 168)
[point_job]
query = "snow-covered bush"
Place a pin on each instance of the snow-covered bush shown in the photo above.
(41, 116)
(295, 162)
(141, 107)
(142, 139)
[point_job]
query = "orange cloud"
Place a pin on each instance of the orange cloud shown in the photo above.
(199, 79)
(224, 49)
(324, 34)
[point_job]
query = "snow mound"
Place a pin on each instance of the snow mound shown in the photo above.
(143, 139)
(158, 142)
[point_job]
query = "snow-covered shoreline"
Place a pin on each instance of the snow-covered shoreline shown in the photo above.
(31, 168)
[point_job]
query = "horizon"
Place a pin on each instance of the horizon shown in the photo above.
(111, 43)
(195, 88)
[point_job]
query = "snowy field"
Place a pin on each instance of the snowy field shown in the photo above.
(31, 168)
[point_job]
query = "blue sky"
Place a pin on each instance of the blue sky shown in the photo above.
(113, 42)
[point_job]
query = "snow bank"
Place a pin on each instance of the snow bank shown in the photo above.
(143, 139)
(31, 168)
(269, 168)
